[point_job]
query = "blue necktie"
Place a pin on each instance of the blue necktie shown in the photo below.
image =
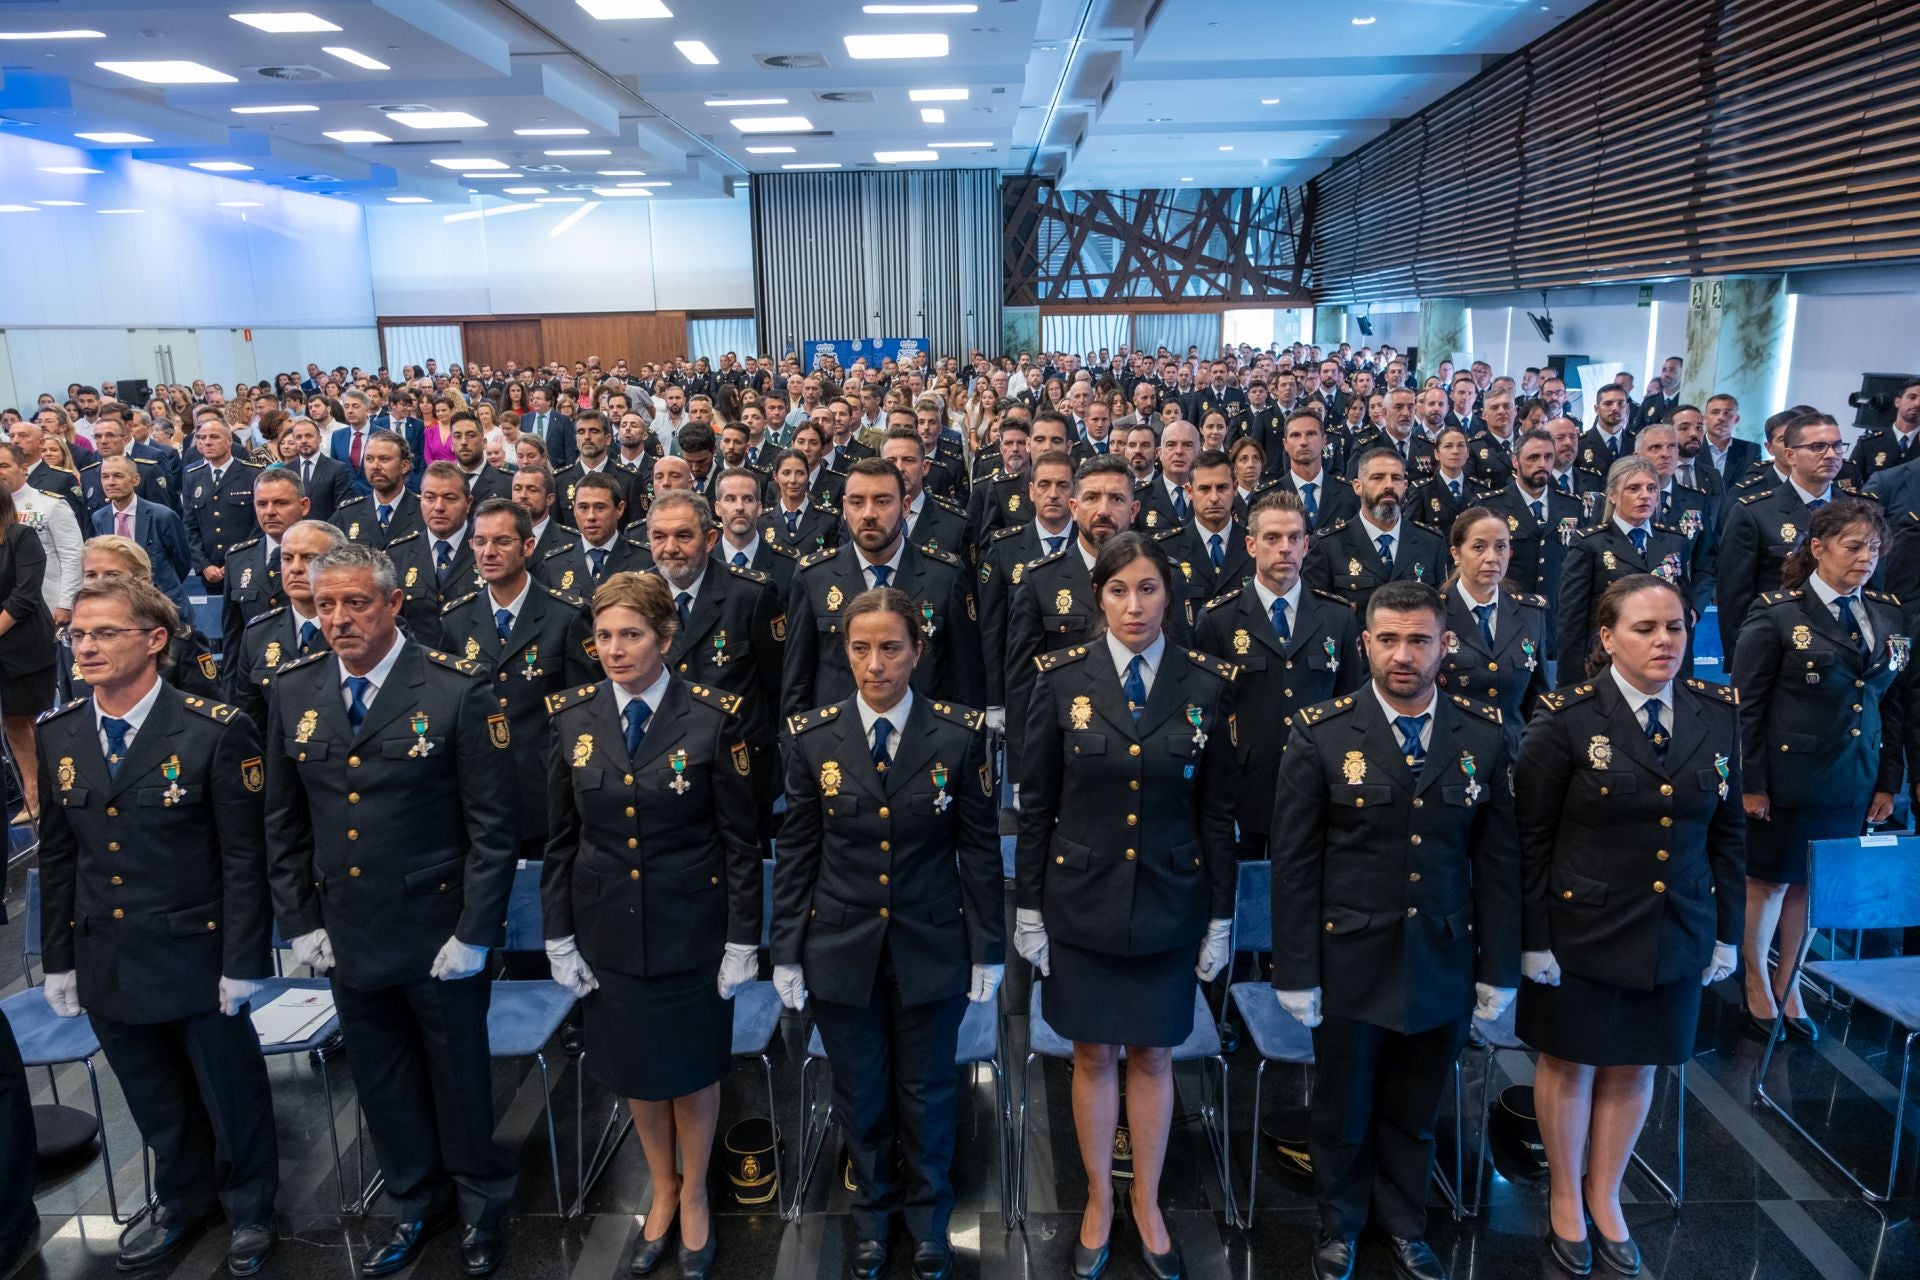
(1656, 732)
(357, 687)
(597, 561)
(1454, 485)
(1484, 612)
(1100, 446)
(1816, 504)
(882, 574)
(1385, 543)
(683, 605)
(1311, 503)
(1410, 745)
(882, 730)
(1638, 537)
(385, 513)
(1851, 623)
(503, 623)
(1539, 511)
(442, 555)
(739, 559)
(116, 729)
(1136, 686)
(636, 716)
(1563, 484)
(1279, 615)
(1053, 544)
(1180, 505)
(793, 524)
(307, 632)
(1217, 550)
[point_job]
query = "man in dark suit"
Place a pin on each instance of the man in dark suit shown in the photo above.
(482, 478)
(601, 548)
(152, 820)
(1732, 458)
(347, 444)
(1003, 560)
(390, 509)
(543, 422)
(253, 567)
(1381, 544)
(1325, 496)
(995, 498)
(1389, 964)
(281, 635)
(218, 507)
(151, 480)
(593, 439)
(328, 481)
(1541, 520)
(396, 876)
(1762, 529)
(435, 565)
(738, 510)
(19, 1164)
(1210, 550)
(158, 531)
(932, 523)
(1895, 443)
(1610, 438)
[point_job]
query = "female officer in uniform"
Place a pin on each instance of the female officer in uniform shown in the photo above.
(1820, 666)
(1125, 870)
(1497, 637)
(1630, 842)
(652, 864)
(1625, 542)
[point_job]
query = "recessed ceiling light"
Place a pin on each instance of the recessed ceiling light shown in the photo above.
(17, 208)
(960, 146)
(772, 124)
(643, 184)
(69, 169)
(436, 119)
(112, 211)
(1363, 22)
(114, 139)
(622, 10)
(830, 165)
(358, 135)
(623, 173)
(884, 9)
(928, 45)
(355, 57)
(220, 166)
(167, 72)
(53, 35)
(696, 52)
(237, 204)
(465, 164)
(1269, 102)
(580, 151)
(1186, 179)
(551, 133)
(61, 204)
(769, 151)
(283, 24)
(509, 174)
(561, 200)
(408, 200)
(937, 95)
(904, 157)
(617, 192)
(525, 191)
(746, 102)
(273, 111)
(933, 115)
(1227, 148)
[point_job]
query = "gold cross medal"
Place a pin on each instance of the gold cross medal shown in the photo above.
(926, 617)
(940, 798)
(1063, 601)
(678, 760)
(171, 772)
(1199, 735)
(421, 747)
(719, 648)
(531, 670)
(830, 778)
(1600, 752)
(1720, 767)
(66, 773)
(1526, 647)
(1333, 654)
(1474, 789)
(1081, 711)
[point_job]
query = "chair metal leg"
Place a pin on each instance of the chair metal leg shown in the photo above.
(1674, 1194)
(1449, 1188)
(1020, 1144)
(553, 1140)
(619, 1124)
(1253, 1160)
(809, 1149)
(773, 1123)
(1000, 1125)
(106, 1158)
(1480, 1118)
(333, 1138)
(1899, 1120)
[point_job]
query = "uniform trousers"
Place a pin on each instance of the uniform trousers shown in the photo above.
(1376, 1096)
(769, 784)
(894, 1082)
(421, 1064)
(18, 1149)
(197, 1087)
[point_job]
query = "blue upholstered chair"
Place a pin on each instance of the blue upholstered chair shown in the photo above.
(315, 1042)
(1276, 1035)
(524, 1015)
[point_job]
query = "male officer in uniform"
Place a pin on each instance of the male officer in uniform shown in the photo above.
(933, 524)
(253, 567)
(535, 640)
(1380, 544)
(391, 510)
(999, 497)
(738, 507)
(1895, 444)
(601, 550)
(1003, 561)
(1396, 919)
(219, 501)
(483, 480)
(285, 634)
(1293, 647)
(1303, 468)
(1610, 438)
(1167, 504)
(1541, 520)
(594, 439)
(1763, 528)
(879, 555)
(390, 843)
(155, 917)
(1210, 550)
(435, 564)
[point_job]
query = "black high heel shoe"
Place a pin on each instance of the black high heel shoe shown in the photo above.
(696, 1263)
(648, 1253)
(1090, 1264)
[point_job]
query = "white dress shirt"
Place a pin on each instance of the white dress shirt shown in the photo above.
(1637, 701)
(381, 670)
(135, 716)
(896, 715)
(1827, 595)
(1150, 656)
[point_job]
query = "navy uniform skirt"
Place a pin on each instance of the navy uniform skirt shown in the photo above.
(1093, 998)
(1777, 848)
(657, 1038)
(1599, 1024)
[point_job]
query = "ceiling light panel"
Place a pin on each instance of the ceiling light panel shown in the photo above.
(358, 135)
(772, 124)
(870, 47)
(624, 10)
(937, 95)
(290, 109)
(284, 24)
(437, 119)
(551, 133)
(355, 58)
(696, 52)
(73, 34)
(220, 166)
(167, 72)
(114, 139)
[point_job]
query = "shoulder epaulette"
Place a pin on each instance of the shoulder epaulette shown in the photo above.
(248, 462)
(944, 557)
(1566, 697)
(1780, 597)
(1751, 498)
(559, 550)
(1667, 528)
(1164, 534)
(143, 458)
(1530, 601)
(567, 697)
(811, 719)
(451, 605)
(818, 557)
(297, 663)
(209, 466)
(948, 503)
(1059, 657)
(1325, 710)
(1597, 529)
(1884, 597)
(1218, 666)
(999, 476)
(405, 537)
(357, 498)
(91, 466)
(749, 573)
(727, 702)
(1227, 598)
(1331, 597)
(462, 665)
(219, 711)
(1484, 710)
(566, 598)
(267, 616)
(780, 549)
(242, 546)
(1724, 692)
(45, 716)
(1040, 560)
(959, 715)
(1006, 531)
(1335, 527)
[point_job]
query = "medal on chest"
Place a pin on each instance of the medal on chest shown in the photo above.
(940, 797)
(678, 760)
(532, 669)
(171, 772)
(1199, 736)
(1720, 767)
(1474, 790)
(421, 748)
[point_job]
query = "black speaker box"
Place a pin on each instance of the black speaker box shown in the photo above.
(1568, 363)
(1873, 402)
(134, 392)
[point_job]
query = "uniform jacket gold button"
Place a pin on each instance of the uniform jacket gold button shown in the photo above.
(884, 879)
(629, 779)
(1660, 854)
(1659, 886)
(353, 762)
(1414, 876)
(1412, 912)
(1134, 749)
(632, 843)
(885, 812)
(884, 913)
(1131, 855)
(886, 846)
(354, 872)
(1566, 893)
(713, 879)
(1417, 802)
(352, 834)
(1414, 839)
(1058, 860)
(118, 914)
(112, 812)
(113, 846)
(118, 880)
(1666, 788)
(634, 874)
(629, 811)
(353, 797)
(1133, 819)
(1665, 821)
(212, 925)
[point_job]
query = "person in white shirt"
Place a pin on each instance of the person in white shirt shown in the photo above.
(59, 532)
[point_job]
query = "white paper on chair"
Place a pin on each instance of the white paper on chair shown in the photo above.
(292, 1016)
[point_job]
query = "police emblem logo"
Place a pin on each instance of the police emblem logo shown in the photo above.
(413, 574)
(353, 530)
(473, 648)
(273, 653)
(1802, 637)
(1353, 568)
(309, 721)
(209, 666)
(1063, 601)
(1600, 752)
(253, 774)
(1242, 642)
(66, 773)
(1354, 768)
(499, 733)
(1899, 649)
(1608, 561)
(566, 580)
(246, 577)
(1788, 532)
(778, 627)
(830, 778)
(1153, 518)
(742, 760)
(1013, 502)
(582, 750)
(835, 598)
(1081, 712)
(1513, 524)
(1018, 569)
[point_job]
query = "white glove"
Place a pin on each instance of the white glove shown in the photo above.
(1216, 949)
(790, 980)
(997, 719)
(457, 960)
(1303, 1005)
(739, 966)
(63, 994)
(986, 981)
(235, 992)
(1030, 939)
(569, 967)
(314, 950)
(1491, 1002)
(1540, 967)
(1725, 956)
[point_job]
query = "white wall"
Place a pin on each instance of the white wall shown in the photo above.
(1838, 338)
(628, 254)
(36, 360)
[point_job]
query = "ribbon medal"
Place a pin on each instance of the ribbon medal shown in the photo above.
(926, 617)
(1199, 736)
(528, 672)
(1899, 649)
(940, 799)
(680, 786)
(1474, 790)
(421, 748)
(171, 772)
(1333, 654)
(1526, 647)
(1419, 573)
(719, 648)
(1720, 767)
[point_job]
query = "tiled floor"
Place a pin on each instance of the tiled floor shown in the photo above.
(1759, 1202)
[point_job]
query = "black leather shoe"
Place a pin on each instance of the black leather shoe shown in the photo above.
(1575, 1257)
(868, 1261)
(647, 1253)
(247, 1251)
(1090, 1264)
(1804, 1028)
(696, 1263)
(400, 1246)
(932, 1260)
(482, 1248)
(158, 1236)
(1332, 1258)
(1622, 1257)
(1162, 1266)
(1415, 1260)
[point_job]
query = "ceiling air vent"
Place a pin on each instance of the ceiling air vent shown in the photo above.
(315, 177)
(790, 61)
(546, 168)
(846, 95)
(298, 72)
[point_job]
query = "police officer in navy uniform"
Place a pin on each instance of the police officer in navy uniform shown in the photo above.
(1308, 470)
(285, 634)
(880, 555)
(1003, 561)
(253, 567)
(190, 666)
(998, 497)
(1210, 550)
(602, 549)
(792, 519)
(391, 842)
(435, 564)
(1293, 646)
(1125, 869)
(155, 920)
(933, 522)
(1626, 542)
(888, 907)
(1436, 501)
(1354, 558)
(651, 895)
(1895, 444)
(1541, 523)
(218, 508)
(392, 509)
(1496, 636)
(1389, 961)
(595, 439)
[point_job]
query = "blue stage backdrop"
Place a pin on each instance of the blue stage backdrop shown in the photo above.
(874, 349)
